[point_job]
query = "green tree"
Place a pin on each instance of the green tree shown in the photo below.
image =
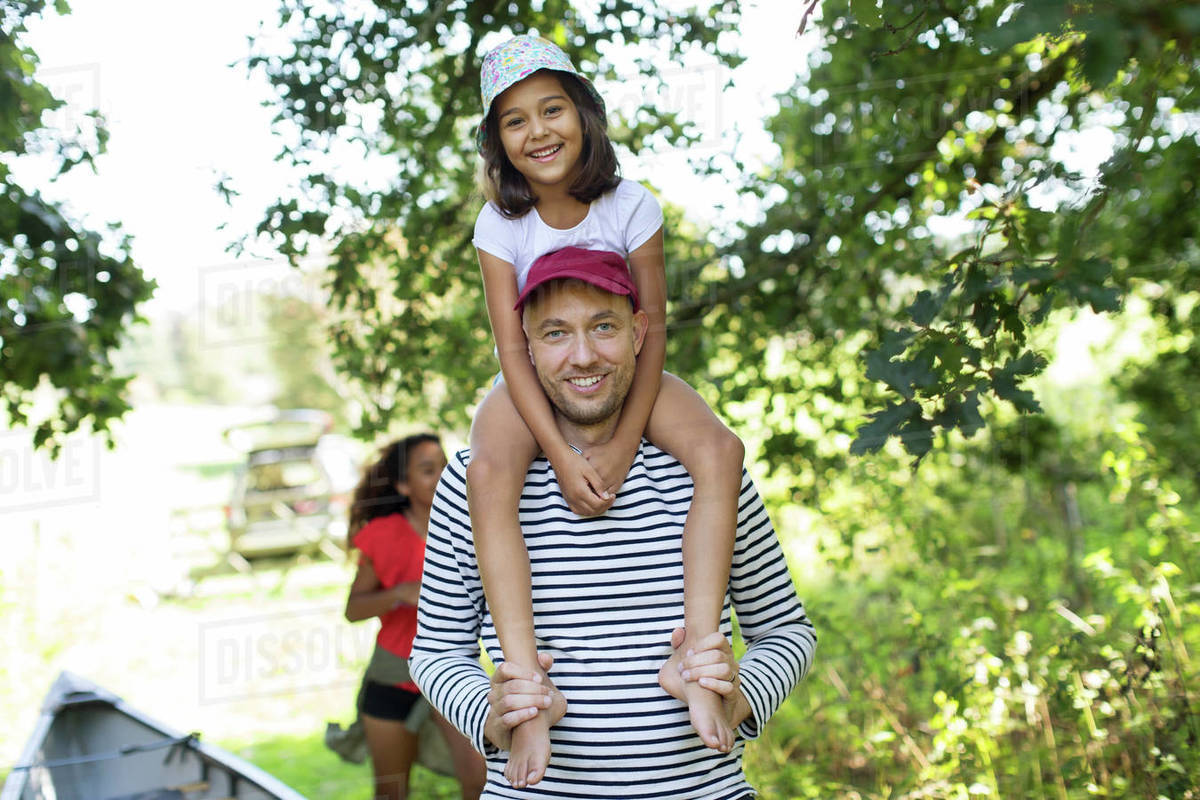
(920, 113)
(299, 356)
(67, 294)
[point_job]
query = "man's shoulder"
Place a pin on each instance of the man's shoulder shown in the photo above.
(454, 476)
(653, 459)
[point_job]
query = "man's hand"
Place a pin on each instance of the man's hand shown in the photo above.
(582, 487)
(518, 694)
(711, 663)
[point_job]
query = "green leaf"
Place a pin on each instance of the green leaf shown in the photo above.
(1068, 238)
(925, 307)
(1104, 51)
(917, 436)
(1085, 284)
(1035, 17)
(884, 424)
(1038, 276)
(984, 316)
(962, 413)
(902, 375)
(1005, 382)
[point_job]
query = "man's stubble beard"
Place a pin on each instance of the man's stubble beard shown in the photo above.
(580, 414)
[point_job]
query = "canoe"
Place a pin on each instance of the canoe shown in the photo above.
(89, 744)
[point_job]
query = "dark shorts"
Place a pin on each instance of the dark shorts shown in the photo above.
(388, 702)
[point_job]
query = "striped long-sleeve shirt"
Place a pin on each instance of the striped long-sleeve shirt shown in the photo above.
(607, 592)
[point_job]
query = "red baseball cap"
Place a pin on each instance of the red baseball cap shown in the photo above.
(601, 268)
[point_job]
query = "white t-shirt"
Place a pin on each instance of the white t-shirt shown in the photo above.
(619, 221)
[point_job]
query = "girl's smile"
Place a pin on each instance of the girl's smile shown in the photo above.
(546, 154)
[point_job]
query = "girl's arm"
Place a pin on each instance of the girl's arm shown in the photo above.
(369, 599)
(612, 460)
(581, 483)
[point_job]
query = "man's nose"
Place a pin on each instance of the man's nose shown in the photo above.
(582, 354)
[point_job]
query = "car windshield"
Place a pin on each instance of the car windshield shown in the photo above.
(282, 475)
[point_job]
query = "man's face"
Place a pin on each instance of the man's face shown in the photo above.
(584, 343)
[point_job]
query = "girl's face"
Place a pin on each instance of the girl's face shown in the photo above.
(425, 464)
(540, 130)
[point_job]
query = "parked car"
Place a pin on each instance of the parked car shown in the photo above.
(294, 489)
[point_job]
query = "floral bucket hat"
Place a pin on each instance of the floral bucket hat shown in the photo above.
(516, 60)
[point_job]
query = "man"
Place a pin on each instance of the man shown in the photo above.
(607, 590)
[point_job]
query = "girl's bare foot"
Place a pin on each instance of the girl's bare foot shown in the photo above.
(707, 712)
(706, 708)
(530, 751)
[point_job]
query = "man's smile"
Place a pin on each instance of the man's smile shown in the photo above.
(585, 383)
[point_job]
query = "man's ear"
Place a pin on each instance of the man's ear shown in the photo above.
(641, 323)
(525, 330)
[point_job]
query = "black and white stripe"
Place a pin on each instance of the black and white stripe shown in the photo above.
(607, 593)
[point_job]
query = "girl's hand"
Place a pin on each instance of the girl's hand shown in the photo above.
(612, 461)
(581, 485)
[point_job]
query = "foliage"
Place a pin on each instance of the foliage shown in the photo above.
(927, 206)
(299, 356)
(960, 656)
(67, 293)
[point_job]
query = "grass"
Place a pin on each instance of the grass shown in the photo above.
(305, 764)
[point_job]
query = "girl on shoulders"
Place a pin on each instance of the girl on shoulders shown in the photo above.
(551, 180)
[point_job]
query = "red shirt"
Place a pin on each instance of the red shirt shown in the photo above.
(397, 554)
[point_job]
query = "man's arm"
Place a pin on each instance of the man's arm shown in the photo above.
(445, 654)
(779, 636)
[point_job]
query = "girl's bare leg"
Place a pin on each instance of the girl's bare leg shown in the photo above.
(682, 424)
(393, 750)
(502, 448)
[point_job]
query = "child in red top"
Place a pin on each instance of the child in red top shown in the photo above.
(388, 523)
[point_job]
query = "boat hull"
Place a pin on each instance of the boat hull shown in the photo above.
(91, 745)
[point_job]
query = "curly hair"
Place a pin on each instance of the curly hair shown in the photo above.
(376, 495)
(599, 171)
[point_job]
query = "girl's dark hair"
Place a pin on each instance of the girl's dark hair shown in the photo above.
(376, 495)
(598, 168)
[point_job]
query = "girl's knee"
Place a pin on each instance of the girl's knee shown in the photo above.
(725, 448)
(483, 470)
